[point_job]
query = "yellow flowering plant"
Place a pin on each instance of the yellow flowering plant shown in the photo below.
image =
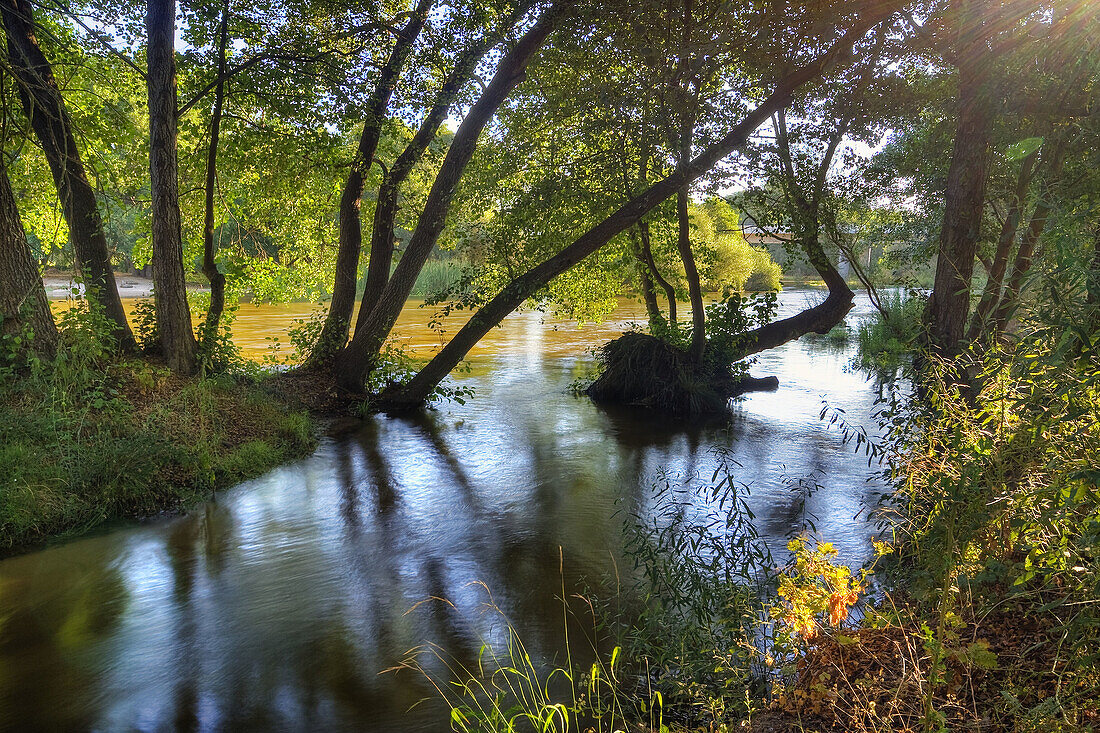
(815, 591)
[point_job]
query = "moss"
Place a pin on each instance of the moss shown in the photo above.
(80, 446)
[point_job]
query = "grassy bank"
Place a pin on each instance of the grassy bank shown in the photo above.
(90, 438)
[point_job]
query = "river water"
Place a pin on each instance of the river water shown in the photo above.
(282, 603)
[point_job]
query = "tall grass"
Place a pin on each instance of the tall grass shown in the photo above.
(888, 339)
(90, 437)
(438, 276)
(506, 689)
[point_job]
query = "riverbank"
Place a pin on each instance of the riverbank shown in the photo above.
(87, 441)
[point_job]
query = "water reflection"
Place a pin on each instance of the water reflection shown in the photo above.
(280, 605)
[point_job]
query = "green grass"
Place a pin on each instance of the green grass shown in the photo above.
(886, 341)
(90, 439)
(436, 277)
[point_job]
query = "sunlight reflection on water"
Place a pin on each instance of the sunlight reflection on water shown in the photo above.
(277, 605)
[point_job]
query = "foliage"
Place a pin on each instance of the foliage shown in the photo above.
(218, 354)
(145, 325)
(704, 579)
(506, 691)
(90, 437)
(888, 339)
(15, 352)
(729, 261)
(395, 365)
(304, 334)
(655, 371)
(730, 321)
(996, 506)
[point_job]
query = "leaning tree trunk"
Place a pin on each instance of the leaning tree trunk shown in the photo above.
(691, 274)
(334, 333)
(354, 363)
(209, 262)
(645, 282)
(992, 292)
(416, 391)
(1021, 266)
(1093, 285)
(964, 202)
(177, 340)
(385, 210)
(45, 109)
(666, 286)
(650, 273)
(24, 310)
(683, 220)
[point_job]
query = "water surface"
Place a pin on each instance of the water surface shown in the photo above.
(279, 604)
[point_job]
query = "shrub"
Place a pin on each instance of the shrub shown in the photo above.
(888, 339)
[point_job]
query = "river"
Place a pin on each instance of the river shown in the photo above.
(281, 603)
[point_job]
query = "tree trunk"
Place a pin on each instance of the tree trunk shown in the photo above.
(992, 292)
(645, 282)
(949, 304)
(45, 109)
(209, 263)
(819, 319)
(24, 310)
(670, 291)
(177, 339)
(334, 334)
(382, 244)
(1024, 255)
(691, 273)
(354, 363)
(1093, 285)
(683, 155)
(385, 212)
(416, 391)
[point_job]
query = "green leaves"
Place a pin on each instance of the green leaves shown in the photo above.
(1023, 148)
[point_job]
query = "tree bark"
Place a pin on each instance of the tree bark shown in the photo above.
(645, 282)
(24, 309)
(992, 292)
(45, 109)
(355, 361)
(209, 262)
(1026, 252)
(385, 211)
(670, 290)
(416, 391)
(964, 202)
(683, 221)
(334, 334)
(691, 274)
(1093, 285)
(177, 339)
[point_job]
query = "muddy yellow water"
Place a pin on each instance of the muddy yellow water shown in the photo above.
(286, 603)
(261, 330)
